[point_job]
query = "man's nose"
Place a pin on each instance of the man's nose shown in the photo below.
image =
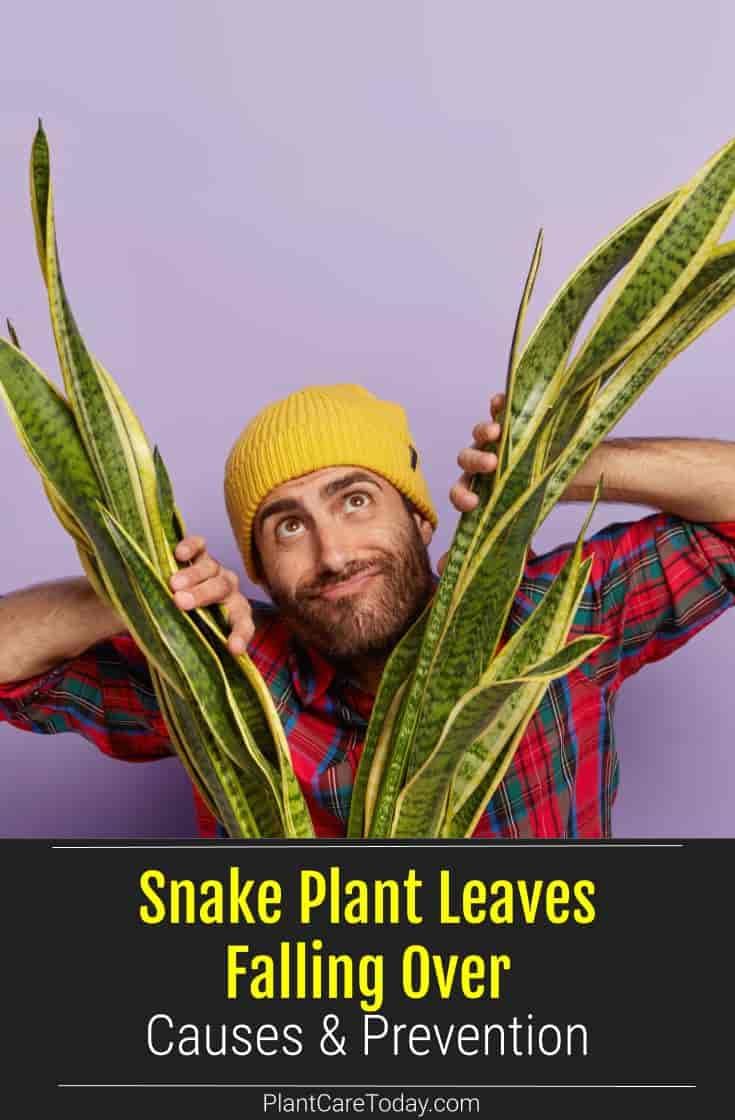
(333, 548)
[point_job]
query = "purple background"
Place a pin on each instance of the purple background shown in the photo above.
(252, 197)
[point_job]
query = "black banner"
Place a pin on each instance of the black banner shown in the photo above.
(330, 978)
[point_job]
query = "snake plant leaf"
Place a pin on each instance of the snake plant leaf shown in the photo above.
(669, 258)
(262, 723)
(100, 424)
(111, 433)
(548, 624)
(537, 381)
(206, 785)
(497, 753)
(720, 261)
(251, 706)
(434, 625)
(545, 353)
(65, 516)
(379, 758)
(209, 748)
(502, 495)
(84, 547)
(13, 335)
(143, 474)
(201, 669)
(476, 626)
(636, 374)
(494, 707)
(174, 530)
(393, 681)
(40, 171)
(46, 428)
(536, 640)
(171, 520)
(88, 560)
(211, 768)
(575, 407)
(515, 345)
(485, 762)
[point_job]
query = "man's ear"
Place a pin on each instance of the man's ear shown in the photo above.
(425, 527)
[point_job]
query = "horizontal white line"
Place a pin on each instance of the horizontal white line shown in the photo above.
(329, 1088)
(291, 845)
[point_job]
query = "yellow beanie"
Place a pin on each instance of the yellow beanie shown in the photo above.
(321, 426)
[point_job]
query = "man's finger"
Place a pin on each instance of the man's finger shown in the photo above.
(204, 567)
(486, 432)
(189, 548)
(461, 497)
(474, 461)
(204, 594)
(497, 404)
(243, 626)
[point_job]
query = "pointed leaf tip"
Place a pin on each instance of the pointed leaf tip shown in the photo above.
(13, 335)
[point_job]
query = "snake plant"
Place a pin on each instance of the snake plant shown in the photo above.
(456, 696)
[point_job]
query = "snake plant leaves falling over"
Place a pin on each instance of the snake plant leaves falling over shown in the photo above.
(462, 686)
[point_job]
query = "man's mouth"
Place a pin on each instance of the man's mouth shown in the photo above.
(348, 586)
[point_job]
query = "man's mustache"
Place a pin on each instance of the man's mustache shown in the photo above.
(314, 590)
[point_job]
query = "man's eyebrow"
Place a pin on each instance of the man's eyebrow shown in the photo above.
(346, 480)
(291, 505)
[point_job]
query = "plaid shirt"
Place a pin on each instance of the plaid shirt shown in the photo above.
(654, 584)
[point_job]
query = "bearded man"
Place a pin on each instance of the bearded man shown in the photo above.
(333, 518)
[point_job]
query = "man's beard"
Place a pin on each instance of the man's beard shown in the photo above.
(366, 623)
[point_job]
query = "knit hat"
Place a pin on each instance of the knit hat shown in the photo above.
(321, 426)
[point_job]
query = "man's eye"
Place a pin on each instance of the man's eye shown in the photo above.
(289, 527)
(358, 500)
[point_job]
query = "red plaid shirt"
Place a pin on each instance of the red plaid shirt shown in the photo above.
(654, 584)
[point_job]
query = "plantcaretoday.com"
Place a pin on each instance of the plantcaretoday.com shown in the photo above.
(369, 1102)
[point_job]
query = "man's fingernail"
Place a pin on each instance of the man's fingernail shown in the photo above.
(237, 645)
(185, 600)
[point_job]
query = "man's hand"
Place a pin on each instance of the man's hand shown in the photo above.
(475, 461)
(205, 582)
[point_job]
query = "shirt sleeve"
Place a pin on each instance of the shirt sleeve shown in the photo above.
(654, 584)
(106, 695)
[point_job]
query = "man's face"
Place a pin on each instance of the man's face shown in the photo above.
(344, 560)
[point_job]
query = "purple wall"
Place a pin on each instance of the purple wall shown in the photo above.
(252, 197)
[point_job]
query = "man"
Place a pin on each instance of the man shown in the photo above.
(333, 517)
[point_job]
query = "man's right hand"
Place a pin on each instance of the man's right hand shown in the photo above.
(205, 582)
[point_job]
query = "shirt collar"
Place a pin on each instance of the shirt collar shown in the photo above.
(311, 673)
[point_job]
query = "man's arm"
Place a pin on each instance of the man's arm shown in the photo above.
(49, 623)
(691, 478)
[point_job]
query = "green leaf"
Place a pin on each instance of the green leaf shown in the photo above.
(206, 681)
(544, 356)
(515, 347)
(474, 629)
(112, 435)
(669, 258)
(498, 707)
(636, 374)
(13, 335)
(393, 680)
